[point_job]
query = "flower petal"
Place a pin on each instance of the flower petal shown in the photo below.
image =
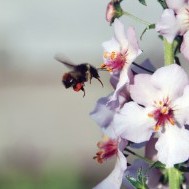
(114, 79)
(181, 106)
(185, 46)
(173, 146)
(143, 92)
(145, 64)
(120, 35)
(132, 123)
(167, 25)
(171, 80)
(124, 79)
(150, 151)
(175, 4)
(111, 45)
(133, 48)
(102, 114)
(114, 180)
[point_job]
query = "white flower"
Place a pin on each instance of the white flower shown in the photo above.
(161, 106)
(119, 53)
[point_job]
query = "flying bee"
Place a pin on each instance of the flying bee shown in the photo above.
(78, 75)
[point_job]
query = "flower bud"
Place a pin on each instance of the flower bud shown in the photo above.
(113, 11)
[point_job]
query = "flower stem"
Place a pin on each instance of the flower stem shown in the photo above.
(168, 52)
(139, 156)
(136, 18)
(174, 177)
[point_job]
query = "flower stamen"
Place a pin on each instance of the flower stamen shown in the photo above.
(107, 148)
(113, 61)
(162, 114)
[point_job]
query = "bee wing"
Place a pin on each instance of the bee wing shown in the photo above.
(64, 61)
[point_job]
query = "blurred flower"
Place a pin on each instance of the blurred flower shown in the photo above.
(119, 53)
(161, 106)
(174, 21)
(113, 11)
(110, 147)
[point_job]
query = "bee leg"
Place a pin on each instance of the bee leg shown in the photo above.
(100, 81)
(90, 79)
(83, 91)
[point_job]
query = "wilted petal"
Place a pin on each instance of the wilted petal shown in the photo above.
(175, 4)
(185, 46)
(173, 146)
(181, 106)
(102, 114)
(167, 25)
(132, 123)
(114, 180)
(143, 92)
(170, 80)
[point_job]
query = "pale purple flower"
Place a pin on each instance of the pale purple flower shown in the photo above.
(160, 106)
(119, 53)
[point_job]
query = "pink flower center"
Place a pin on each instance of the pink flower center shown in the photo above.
(107, 148)
(163, 113)
(114, 61)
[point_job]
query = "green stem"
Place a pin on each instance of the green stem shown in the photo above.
(139, 156)
(136, 18)
(168, 52)
(174, 177)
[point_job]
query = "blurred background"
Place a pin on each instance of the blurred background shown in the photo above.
(47, 139)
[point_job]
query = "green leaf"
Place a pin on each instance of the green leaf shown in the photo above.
(163, 3)
(149, 27)
(143, 2)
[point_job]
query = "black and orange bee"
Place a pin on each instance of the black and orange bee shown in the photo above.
(78, 75)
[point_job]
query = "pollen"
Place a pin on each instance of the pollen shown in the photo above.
(150, 115)
(157, 127)
(113, 55)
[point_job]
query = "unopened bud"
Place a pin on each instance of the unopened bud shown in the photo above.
(113, 11)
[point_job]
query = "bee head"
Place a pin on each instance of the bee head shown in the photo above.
(68, 80)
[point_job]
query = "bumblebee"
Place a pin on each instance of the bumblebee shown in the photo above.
(78, 75)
